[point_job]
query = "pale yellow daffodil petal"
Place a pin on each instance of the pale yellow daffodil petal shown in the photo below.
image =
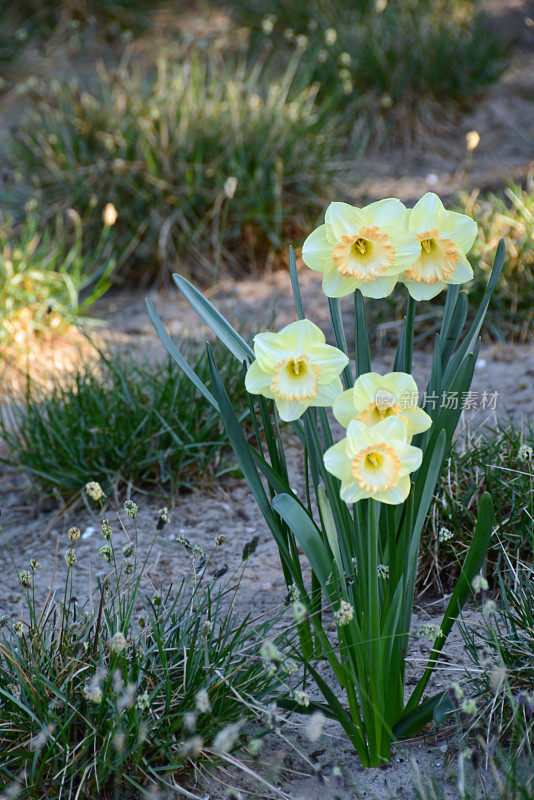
(257, 381)
(380, 287)
(341, 218)
(304, 333)
(422, 291)
(327, 393)
(271, 348)
(344, 409)
(461, 229)
(385, 212)
(336, 285)
(428, 212)
(336, 461)
(317, 250)
(463, 271)
(289, 411)
(330, 360)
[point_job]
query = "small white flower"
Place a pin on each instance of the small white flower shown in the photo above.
(109, 216)
(202, 702)
(457, 691)
(230, 186)
(382, 571)
(429, 631)
(315, 725)
(489, 608)
(93, 692)
(444, 535)
(344, 614)
(330, 36)
(472, 139)
(525, 453)
(118, 642)
(267, 25)
(479, 584)
(270, 652)
(70, 558)
(301, 698)
(94, 490)
(226, 738)
(142, 702)
(130, 509)
(73, 534)
(299, 611)
(469, 706)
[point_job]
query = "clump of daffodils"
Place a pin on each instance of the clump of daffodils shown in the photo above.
(374, 247)
(94, 490)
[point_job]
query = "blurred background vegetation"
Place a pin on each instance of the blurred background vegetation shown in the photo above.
(143, 138)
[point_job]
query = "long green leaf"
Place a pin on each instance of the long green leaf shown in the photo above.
(306, 532)
(341, 340)
(214, 319)
(363, 354)
(411, 722)
(471, 337)
(174, 352)
(295, 284)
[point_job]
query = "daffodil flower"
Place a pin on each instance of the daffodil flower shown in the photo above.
(444, 237)
(376, 397)
(374, 461)
(296, 368)
(361, 248)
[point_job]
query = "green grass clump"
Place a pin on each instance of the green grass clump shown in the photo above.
(501, 648)
(510, 216)
(491, 460)
(405, 51)
(203, 159)
(47, 281)
(130, 688)
(118, 420)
